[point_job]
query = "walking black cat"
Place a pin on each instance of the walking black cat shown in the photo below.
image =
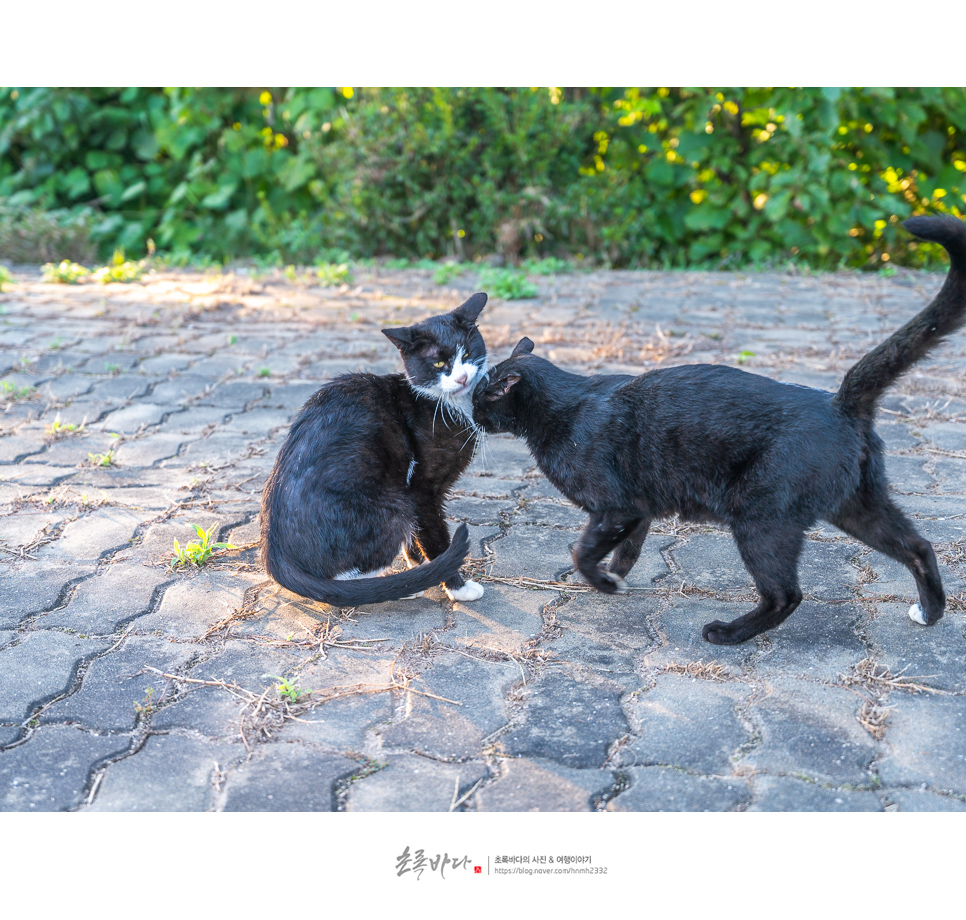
(366, 468)
(719, 444)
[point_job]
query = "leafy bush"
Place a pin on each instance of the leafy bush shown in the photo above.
(630, 176)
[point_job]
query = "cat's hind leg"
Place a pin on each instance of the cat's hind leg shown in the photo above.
(606, 530)
(628, 552)
(770, 552)
(877, 522)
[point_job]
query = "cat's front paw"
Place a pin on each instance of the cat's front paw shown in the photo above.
(471, 591)
(608, 582)
(718, 632)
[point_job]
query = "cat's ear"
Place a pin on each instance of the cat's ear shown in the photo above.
(500, 387)
(524, 347)
(469, 311)
(401, 337)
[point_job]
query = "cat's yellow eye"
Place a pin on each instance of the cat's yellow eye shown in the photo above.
(439, 364)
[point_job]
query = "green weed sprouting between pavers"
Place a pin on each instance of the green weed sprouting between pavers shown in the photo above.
(286, 688)
(199, 551)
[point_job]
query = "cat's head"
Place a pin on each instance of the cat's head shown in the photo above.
(444, 356)
(498, 404)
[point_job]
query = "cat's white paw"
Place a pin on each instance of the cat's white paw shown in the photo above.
(410, 597)
(916, 614)
(471, 591)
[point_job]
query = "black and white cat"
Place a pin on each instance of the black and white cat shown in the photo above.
(366, 468)
(713, 443)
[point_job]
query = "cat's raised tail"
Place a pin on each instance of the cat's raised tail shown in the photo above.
(357, 591)
(867, 380)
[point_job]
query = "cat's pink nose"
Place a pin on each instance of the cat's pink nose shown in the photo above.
(461, 380)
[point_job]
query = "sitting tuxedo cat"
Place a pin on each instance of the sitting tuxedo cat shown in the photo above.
(366, 468)
(715, 443)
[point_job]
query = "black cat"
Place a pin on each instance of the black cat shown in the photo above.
(718, 444)
(366, 468)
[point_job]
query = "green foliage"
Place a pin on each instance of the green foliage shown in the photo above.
(663, 177)
(34, 235)
(199, 551)
(547, 266)
(10, 392)
(447, 271)
(330, 275)
(105, 459)
(118, 270)
(507, 284)
(5, 277)
(286, 688)
(66, 272)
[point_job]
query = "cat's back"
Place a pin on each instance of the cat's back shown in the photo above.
(354, 425)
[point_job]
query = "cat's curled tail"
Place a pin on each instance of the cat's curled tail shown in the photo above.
(357, 591)
(867, 380)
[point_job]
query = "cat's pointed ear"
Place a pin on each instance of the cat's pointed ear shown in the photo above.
(524, 347)
(469, 311)
(501, 386)
(400, 337)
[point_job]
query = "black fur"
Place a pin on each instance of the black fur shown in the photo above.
(714, 443)
(366, 468)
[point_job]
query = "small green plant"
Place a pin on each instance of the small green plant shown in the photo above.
(105, 459)
(548, 266)
(888, 271)
(507, 284)
(199, 551)
(5, 277)
(286, 689)
(118, 270)
(329, 274)
(745, 356)
(112, 369)
(396, 263)
(147, 704)
(233, 340)
(264, 372)
(58, 429)
(65, 272)
(447, 271)
(11, 393)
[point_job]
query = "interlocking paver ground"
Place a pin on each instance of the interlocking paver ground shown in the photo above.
(128, 685)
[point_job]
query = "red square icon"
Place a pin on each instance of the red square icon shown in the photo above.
(478, 870)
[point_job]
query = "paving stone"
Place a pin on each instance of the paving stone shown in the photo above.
(568, 721)
(927, 743)
(503, 620)
(287, 777)
(170, 773)
(920, 800)
(527, 785)
(92, 536)
(931, 655)
(115, 685)
(617, 620)
(664, 789)
(114, 596)
(131, 419)
(196, 602)
(40, 666)
(30, 589)
(786, 793)
(410, 783)
(814, 727)
(687, 723)
(52, 769)
(341, 724)
(452, 730)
